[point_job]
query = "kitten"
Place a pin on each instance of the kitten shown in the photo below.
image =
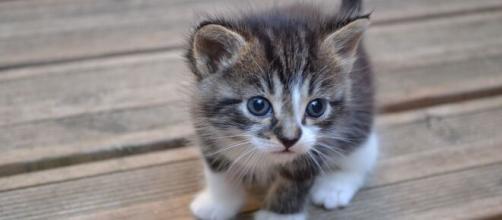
(283, 100)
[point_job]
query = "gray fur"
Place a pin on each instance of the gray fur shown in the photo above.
(280, 48)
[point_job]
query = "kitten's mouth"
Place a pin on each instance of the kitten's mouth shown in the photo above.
(285, 151)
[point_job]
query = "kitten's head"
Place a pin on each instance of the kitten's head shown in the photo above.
(277, 84)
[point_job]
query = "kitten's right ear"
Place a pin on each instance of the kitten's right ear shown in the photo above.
(214, 48)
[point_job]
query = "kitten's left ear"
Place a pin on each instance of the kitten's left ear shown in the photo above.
(214, 47)
(345, 41)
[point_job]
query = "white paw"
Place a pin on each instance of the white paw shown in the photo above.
(267, 215)
(336, 190)
(205, 206)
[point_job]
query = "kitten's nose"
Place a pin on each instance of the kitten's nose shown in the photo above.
(288, 135)
(287, 142)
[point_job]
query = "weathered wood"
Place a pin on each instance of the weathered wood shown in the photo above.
(427, 67)
(41, 93)
(416, 43)
(428, 167)
(391, 126)
(62, 107)
(68, 141)
(106, 84)
(99, 168)
(44, 31)
(433, 195)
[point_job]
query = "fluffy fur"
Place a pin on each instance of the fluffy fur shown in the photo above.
(289, 57)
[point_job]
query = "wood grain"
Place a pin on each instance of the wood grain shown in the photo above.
(45, 31)
(93, 110)
(390, 126)
(427, 65)
(433, 195)
(79, 108)
(412, 169)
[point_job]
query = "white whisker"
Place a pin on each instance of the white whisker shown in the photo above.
(228, 148)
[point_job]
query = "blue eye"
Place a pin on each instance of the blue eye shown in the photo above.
(316, 108)
(259, 106)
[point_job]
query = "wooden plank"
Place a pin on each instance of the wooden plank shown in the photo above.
(110, 100)
(433, 195)
(35, 94)
(70, 140)
(98, 168)
(411, 169)
(391, 128)
(35, 32)
(153, 193)
(83, 87)
(412, 44)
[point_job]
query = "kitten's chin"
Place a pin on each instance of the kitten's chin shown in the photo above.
(283, 157)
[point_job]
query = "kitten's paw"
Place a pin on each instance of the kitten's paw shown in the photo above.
(268, 215)
(335, 191)
(206, 207)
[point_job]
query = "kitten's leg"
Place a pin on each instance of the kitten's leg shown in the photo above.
(285, 200)
(336, 189)
(221, 199)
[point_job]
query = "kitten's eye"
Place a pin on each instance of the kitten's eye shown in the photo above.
(258, 106)
(316, 108)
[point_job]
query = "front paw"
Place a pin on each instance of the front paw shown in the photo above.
(335, 191)
(208, 207)
(267, 215)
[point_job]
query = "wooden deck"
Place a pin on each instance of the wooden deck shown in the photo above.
(93, 121)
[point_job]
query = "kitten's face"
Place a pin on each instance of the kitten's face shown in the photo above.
(258, 107)
(286, 120)
(273, 101)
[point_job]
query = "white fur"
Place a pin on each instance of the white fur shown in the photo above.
(336, 189)
(220, 199)
(296, 96)
(276, 99)
(267, 215)
(308, 137)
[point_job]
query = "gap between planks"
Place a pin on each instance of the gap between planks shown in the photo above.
(365, 204)
(409, 11)
(158, 140)
(476, 92)
(486, 149)
(168, 70)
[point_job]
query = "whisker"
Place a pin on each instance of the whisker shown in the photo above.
(336, 151)
(315, 161)
(228, 148)
(231, 169)
(325, 156)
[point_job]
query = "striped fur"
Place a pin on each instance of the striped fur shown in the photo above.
(290, 56)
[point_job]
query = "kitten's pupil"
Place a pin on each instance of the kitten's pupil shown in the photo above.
(316, 108)
(258, 106)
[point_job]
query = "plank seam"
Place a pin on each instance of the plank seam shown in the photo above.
(98, 175)
(75, 159)
(387, 22)
(434, 175)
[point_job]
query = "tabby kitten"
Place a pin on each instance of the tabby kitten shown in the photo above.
(283, 100)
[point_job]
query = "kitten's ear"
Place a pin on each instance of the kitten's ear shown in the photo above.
(344, 41)
(214, 48)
